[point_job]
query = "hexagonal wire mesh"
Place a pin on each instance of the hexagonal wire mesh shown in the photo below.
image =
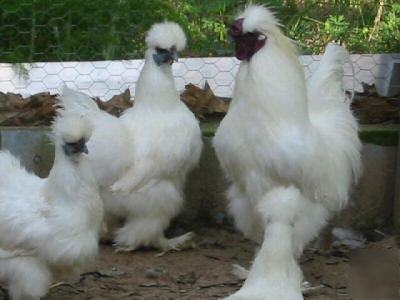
(86, 36)
(107, 78)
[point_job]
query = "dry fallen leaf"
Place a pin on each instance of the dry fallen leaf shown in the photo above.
(40, 109)
(203, 102)
(35, 110)
(371, 108)
(117, 104)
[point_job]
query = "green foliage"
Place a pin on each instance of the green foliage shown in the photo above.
(389, 33)
(53, 30)
(336, 27)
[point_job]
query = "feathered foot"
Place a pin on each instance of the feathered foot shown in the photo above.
(308, 290)
(58, 284)
(175, 244)
(244, 297)
(138, 232)
(240, 272)
(263, 292)
(119, 249)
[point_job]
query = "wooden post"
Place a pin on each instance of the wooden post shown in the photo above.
(396, 204)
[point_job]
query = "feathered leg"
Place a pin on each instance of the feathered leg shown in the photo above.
(28, 277)
(246, 220)
(139, 231)
(151, 211)
(147, 231)
(275, 274)
(109, 226)
(244, 214)
(306, 227)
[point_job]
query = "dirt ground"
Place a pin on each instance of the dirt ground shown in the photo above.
(203, 272)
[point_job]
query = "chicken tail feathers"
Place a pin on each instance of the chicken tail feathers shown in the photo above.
(74, 102)
(331, 115)
(327, 79)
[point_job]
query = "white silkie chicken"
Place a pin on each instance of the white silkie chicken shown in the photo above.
(290, 149)
(49, 227)
(150, 150)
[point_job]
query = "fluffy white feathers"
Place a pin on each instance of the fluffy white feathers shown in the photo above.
(256, 18)
(48, 224)
(142, 159)
(111, 142)
(167, 146)
(291, 152)
(70, 129)
(78, 103)
(166, 35)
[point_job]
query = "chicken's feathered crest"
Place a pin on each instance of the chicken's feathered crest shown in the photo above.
(258, 18)
(166, 35)
(76, 102)
(71, 128)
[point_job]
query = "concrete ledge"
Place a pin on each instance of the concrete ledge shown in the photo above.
(372, 204)
(32, 145)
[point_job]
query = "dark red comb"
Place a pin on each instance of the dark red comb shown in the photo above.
(236, 28)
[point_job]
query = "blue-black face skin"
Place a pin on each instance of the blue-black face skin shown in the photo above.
(75, 148)
(163, 56)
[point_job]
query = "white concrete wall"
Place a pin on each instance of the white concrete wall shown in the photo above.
(107, 78)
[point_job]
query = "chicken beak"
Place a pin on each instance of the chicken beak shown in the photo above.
(165, 56)
(174, 54)
(85, 149)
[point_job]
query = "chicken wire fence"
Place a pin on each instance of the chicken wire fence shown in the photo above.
(58, 30)
(105, 79)
(93, 48)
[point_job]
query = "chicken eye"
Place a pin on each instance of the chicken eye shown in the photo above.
(75, 147)
(254, 35)
(78, 143)
(162, 51)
